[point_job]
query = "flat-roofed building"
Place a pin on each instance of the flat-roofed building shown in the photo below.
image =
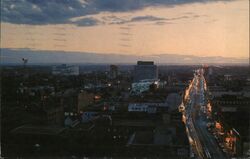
(145, 70)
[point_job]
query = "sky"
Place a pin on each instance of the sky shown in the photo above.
(130, 27)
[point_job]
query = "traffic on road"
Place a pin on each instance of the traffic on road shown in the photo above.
(203, 142)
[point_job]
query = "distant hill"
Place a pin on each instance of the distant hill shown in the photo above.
(14, 56)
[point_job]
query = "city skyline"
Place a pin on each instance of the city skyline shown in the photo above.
(199, 28)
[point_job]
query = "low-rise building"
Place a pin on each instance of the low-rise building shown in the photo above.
(231, 113)
(85, 99)
(162, 139)
(147, 107)
(65, 70)
(143, 85)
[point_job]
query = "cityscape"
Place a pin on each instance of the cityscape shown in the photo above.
(134, 79)
(118, 110)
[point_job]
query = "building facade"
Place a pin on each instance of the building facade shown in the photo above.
(145, 70)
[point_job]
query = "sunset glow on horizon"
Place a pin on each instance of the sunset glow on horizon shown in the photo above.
(200, 29)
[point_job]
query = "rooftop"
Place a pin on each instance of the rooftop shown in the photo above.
(134, 123)
(145, 62)
(38, 130)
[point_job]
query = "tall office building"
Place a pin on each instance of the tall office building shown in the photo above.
(145, 70)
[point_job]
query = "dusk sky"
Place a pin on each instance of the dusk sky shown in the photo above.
(138, 27)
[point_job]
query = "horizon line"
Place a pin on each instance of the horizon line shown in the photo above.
(123, 54)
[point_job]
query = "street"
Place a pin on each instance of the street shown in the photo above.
(203, 142)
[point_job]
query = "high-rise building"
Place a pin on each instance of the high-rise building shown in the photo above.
(145, 70)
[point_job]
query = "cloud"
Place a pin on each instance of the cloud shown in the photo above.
(87, 22)
(37, 12)
(43, 12)
(91, 21)
(146, 18)
(162, 23)
(149, 18)
(115, 20)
